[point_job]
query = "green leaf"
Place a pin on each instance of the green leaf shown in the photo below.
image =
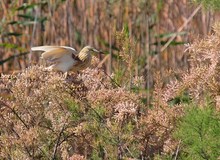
(168, 35)
(13, 22)
(126, 30)
(75, 110)
(174, 43)
(8, 45)
(32, 18)
(106, 44)
(26, 6)
(42, 19)
(209, 4)
(12, 34)
(26, 16)
(12, 57)
(199, 132)
(12, 46)
(22, 23)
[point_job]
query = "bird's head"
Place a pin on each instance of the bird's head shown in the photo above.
(90, 49)
(87, 51)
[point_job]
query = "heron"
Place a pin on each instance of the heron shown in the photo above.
(64, 58)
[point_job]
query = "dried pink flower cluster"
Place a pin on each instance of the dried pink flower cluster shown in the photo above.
(36, 117)
(125, 109)
(200, 82)
(202, 78)
(204, 60)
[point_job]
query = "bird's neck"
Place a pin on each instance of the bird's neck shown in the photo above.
(84, 55)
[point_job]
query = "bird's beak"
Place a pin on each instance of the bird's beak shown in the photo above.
(100, 52)
(94, 50)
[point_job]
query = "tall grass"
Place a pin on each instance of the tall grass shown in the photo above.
(77, 23)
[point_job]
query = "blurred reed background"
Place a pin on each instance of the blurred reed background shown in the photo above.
(148, 23)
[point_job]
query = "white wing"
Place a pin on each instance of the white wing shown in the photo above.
(53, 53)
(62, 57)
(50, 48)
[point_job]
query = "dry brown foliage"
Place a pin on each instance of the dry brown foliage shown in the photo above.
(202, 79)
(46, 116)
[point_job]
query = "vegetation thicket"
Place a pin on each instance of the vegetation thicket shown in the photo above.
(91, 115)
(107, 111)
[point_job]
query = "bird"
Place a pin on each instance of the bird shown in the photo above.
(64, 58)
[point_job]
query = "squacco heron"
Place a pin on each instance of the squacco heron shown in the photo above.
(64, 59)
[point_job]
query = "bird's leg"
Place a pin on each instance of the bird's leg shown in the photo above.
(50, 68)
(65, 75)
(42, 62)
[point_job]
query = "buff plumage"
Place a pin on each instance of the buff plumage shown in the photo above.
(64, 58)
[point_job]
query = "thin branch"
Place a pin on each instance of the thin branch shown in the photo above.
(101, 63)
(129, 152)
(33, 34)
(58, 141)
(88, 106)
(26, 148)
(15, 113)
(65, 138)
(103, 60)
(177, 151)
(181, 28)
(12, 57)
(118, 85)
